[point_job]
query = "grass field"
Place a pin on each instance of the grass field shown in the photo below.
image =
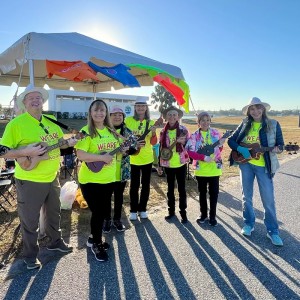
(76, 222)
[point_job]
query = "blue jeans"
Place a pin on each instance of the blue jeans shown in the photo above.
(266, 189)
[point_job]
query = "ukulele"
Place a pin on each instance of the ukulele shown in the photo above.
(167, 153)
(28, 163)
(158, 122)
(96, 166)
(210, 149)
(256, 150)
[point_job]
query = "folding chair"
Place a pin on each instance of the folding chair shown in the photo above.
(5, 185)
(69, 162)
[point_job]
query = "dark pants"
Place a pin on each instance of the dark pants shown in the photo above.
(98, 198)
(136, 203)
(178, 174)
(213, 189)
(119, 188)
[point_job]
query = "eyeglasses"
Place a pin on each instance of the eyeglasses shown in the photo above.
(141, 126)
(44, 128)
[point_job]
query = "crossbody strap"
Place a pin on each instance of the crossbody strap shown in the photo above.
(62, 125)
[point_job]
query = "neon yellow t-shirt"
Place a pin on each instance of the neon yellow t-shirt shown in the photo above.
(25, 130)
(251, 138)
(208, 169)
(97, 145)
(145, 155)
(175, 159)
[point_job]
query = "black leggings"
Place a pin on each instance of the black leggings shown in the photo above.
(136, 173)
(213, 189)
(98, 198)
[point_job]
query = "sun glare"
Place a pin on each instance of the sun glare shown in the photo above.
(106, 34)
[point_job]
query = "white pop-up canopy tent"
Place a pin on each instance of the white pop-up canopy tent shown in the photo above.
(25, 61)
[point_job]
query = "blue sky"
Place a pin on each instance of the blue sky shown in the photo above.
(228, 50)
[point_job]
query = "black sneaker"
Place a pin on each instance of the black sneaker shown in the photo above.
(90, 243)
(99, 252)
(201, 220)
(184, 220)
(61, 246)
(106, 226)
(32, 264)
(169, 216)
(213, 223)
(119, 226)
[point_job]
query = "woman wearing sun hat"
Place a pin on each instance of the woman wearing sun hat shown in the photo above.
(175, 136)
(258, 128)
(141, 163)
(117, 117)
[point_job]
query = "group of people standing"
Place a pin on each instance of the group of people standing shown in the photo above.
(122, 149)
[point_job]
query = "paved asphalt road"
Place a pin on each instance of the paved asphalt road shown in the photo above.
(154, 259)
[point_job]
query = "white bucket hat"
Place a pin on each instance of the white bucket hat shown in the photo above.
(255, 101)
(31, 89)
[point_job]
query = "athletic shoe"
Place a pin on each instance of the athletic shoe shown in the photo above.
(247, 230)
(170, 216)
(32, 264)
(144, 215)
(99, 252)
(106, 226)
(201, 220)
(60, 246)
(213, 223)
(90, 243)
(275, 239)
(119, 226)
(133, 216)
(184, 220)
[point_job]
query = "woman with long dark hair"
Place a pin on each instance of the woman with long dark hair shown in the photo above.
(97, 188)
(258, 129)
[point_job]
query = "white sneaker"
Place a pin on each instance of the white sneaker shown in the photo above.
(133, 216)
(144, 215)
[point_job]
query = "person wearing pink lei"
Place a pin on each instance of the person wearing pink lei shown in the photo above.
(208, 169)
(173, 158)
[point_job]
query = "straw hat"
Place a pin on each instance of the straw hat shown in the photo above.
(31, 89)
(255, 101)
(165, 112)
(141, 100)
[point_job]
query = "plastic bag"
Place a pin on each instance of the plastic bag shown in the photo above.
(67, 194)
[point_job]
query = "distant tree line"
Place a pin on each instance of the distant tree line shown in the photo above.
(236, 112)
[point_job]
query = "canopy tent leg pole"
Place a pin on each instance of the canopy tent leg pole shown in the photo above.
(31, 72)
(94, 91)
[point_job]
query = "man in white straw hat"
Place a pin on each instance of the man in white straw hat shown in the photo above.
(37, 184)
(256, 131)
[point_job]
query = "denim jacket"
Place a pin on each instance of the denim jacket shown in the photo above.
(270, 135)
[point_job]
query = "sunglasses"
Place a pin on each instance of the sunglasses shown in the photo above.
(44, 128)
